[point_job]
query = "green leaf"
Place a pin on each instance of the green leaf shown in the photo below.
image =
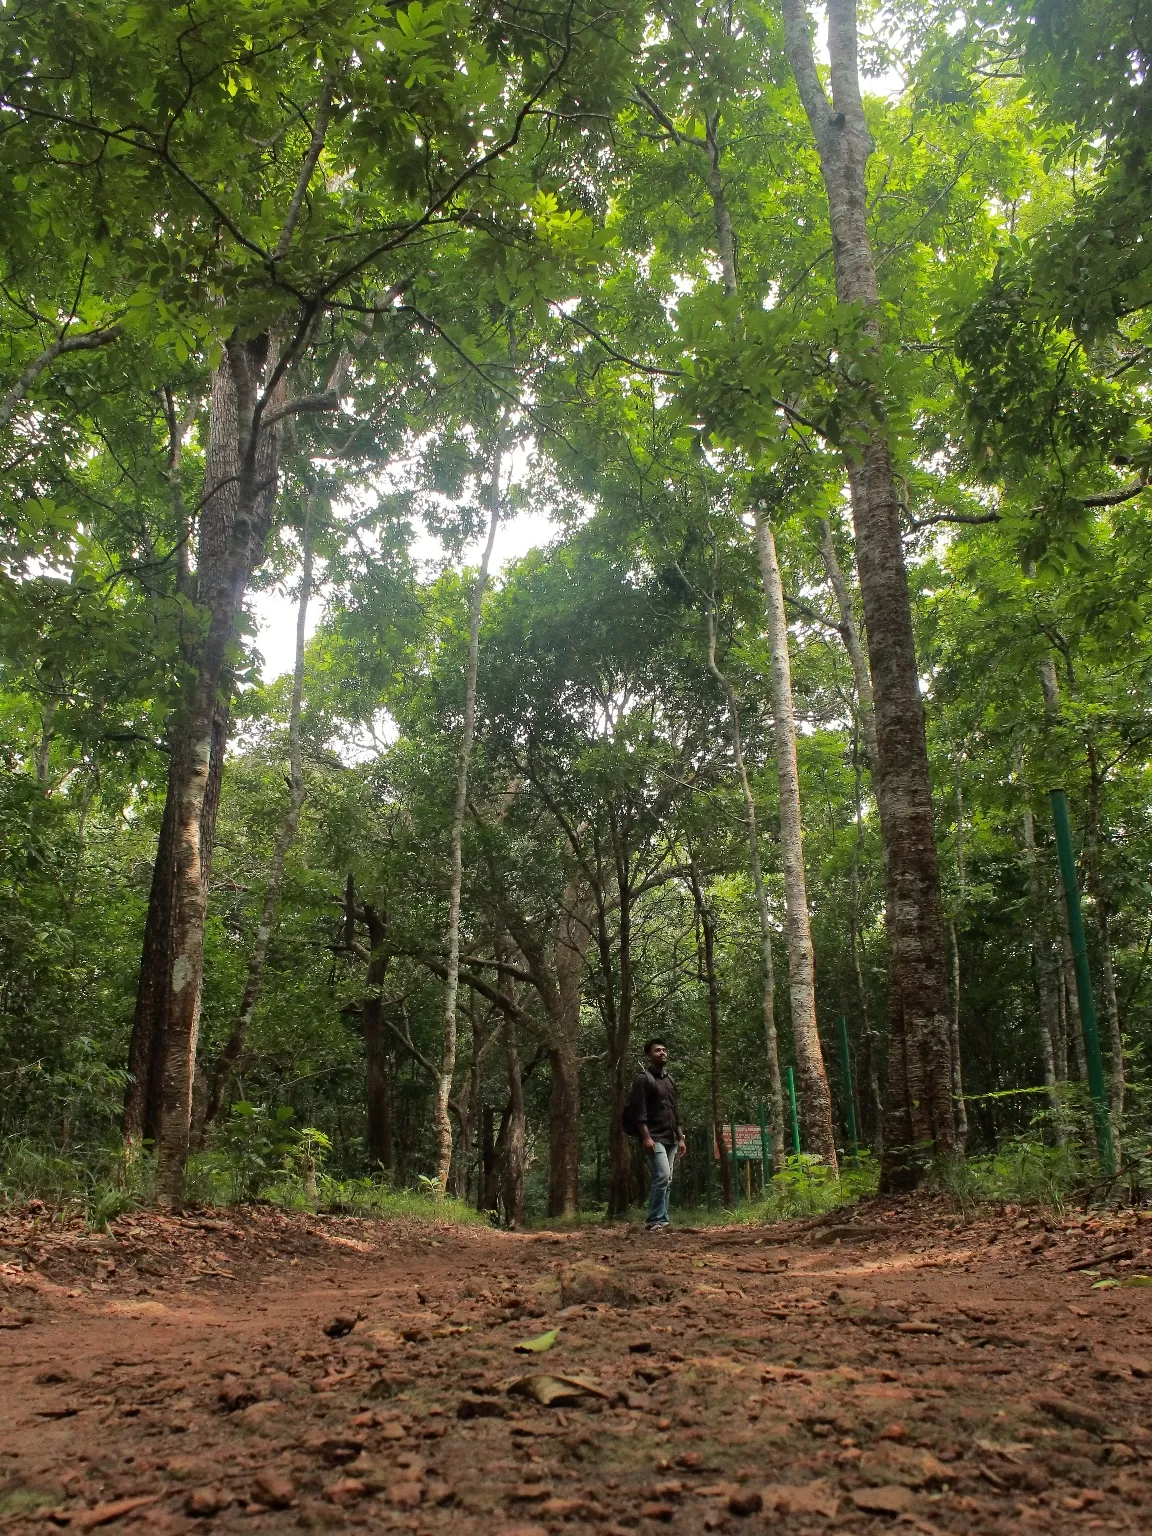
(1105, 1285)
(539, 1344)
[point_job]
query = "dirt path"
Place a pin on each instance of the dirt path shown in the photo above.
(895, 1368)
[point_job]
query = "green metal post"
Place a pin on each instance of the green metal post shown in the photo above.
(795, 1115)
(846, 1080)
(1063, 828)
(764, 1151)
(735, 1169)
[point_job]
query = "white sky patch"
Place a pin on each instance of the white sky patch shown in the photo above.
(275, 610)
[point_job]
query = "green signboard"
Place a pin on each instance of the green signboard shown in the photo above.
(749, 1144)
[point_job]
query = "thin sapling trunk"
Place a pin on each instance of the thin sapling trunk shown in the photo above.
(767, 969)
(1044, 980)
(957, 1074)
(706, 960)
(815, 1099)
(441, 1117)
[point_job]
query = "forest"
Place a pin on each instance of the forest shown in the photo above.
(701, 454)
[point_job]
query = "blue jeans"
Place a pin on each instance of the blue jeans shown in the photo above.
(661, 1161)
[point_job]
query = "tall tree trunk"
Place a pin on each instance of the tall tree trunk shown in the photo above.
(865, 706)
(487, 1162)
(573, 936)
(868, 1034)
(1074, 1031)
(515, 1146)
(473, 1107)
(297, 790)
(146, 1046)
(564, 1130)
(815, 1098)
(920, 1118)
(441, 1118)
(1042, 976)
(726, 249)
(377, 1049)
(241, 473)
(957, 1074)
(1060, 1042)
(1099, 893)
(620, 1190)
(141, 1120)
(42, 757)
(767, 969)
(706, 961)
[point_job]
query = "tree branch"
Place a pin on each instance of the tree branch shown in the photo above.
(319, 134)
(86, 341)
(1114, 498)
(916, 523)
(813, 613)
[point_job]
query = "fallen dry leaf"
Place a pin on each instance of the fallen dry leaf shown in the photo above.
(815, 1498)
(104, 1514)
(555, 1389)
(893, 1499)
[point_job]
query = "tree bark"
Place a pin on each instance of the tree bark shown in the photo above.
(487, 1159)
(556, 964)
(377, 1051)
(564, 1131)
(957, 1073)
(441, 1118)
(920, 1119)
(725, 238)
(241, 474)
(1074, 1028)
(1098, 891)
(515, 1146)
(1060, 1042)
(570, 957)
(1043, 977)
(141, 1119)
(706, 963)
(472, 1109)
(142, 1098)
(767, 969)
(868, 1067)
(297, 790)
(620, 1039)
(866, 709)
(815, 1098)
(1074, 1031)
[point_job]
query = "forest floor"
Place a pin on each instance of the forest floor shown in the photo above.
(888, 1367)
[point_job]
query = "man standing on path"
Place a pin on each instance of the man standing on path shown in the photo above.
(652, 1113)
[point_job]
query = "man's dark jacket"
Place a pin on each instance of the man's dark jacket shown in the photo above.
(652, 1101)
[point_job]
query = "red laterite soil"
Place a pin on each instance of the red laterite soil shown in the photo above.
(889, 1368)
